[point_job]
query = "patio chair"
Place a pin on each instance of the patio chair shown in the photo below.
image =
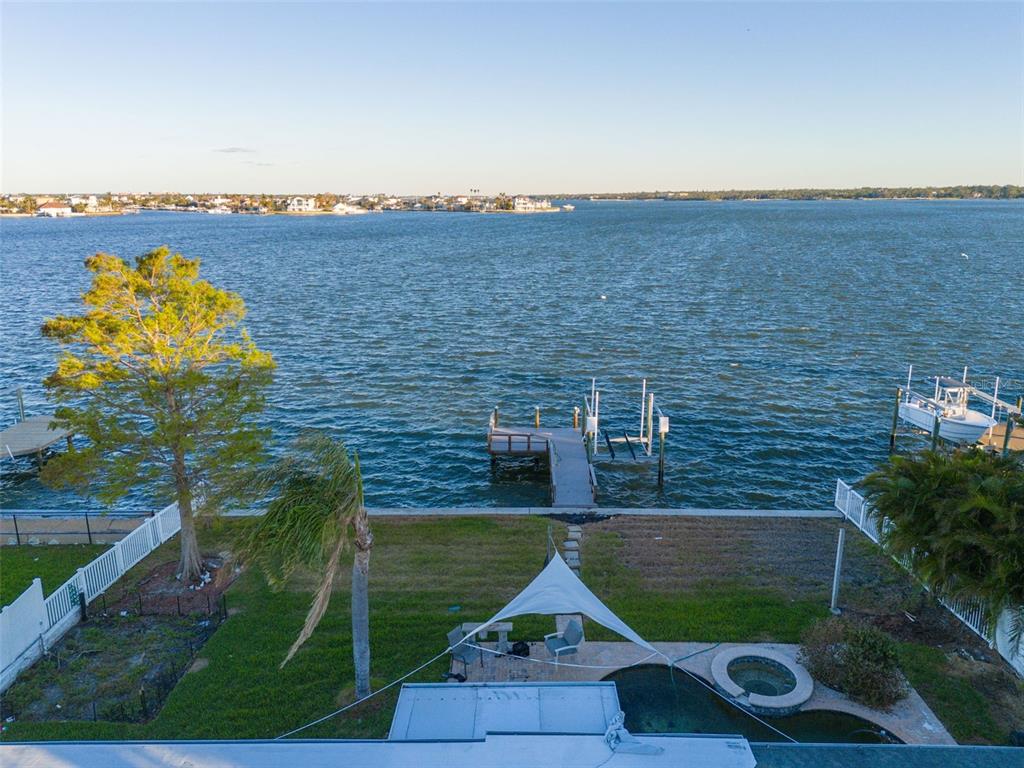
(565, 643)
(465, 653)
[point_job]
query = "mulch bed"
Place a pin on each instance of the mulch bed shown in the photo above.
(159, 592)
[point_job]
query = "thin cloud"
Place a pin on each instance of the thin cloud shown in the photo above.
(235, 150)
(253, 162)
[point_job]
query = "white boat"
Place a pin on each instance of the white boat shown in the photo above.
(219, 209)
(568, 207)
(957, 422)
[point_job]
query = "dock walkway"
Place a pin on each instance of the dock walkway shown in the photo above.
(572, 482)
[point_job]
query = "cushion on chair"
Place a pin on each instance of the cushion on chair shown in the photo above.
(554, 643)
(573, 633)
(455, 637)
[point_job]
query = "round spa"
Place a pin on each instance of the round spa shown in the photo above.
(765, 681)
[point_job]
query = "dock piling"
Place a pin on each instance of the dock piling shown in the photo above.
(935, 432)
(650, 423)
(895, 419)
(536, 417)
(661, 459)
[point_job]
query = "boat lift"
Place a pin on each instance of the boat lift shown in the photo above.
(917, 408)
(642, 441)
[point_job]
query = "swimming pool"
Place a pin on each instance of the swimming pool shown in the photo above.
(656, 700)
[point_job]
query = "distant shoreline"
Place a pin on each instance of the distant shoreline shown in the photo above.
(552, 209)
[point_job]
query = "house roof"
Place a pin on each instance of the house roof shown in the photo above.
(499, 751)
(53, 204)
(473, 710)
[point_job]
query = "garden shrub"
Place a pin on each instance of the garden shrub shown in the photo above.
(857, 659)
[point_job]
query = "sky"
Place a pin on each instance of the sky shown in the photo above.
(512, 97)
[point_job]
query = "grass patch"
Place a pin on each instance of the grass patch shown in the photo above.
(711, 610)
(53, 563)
(964, 711)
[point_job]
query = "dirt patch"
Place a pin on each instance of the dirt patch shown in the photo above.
(120, 664)
(109, 668)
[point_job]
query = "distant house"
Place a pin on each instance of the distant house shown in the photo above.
(522, 203)
(89, 202)
(54, 209)
(344, 209)
(301, 204)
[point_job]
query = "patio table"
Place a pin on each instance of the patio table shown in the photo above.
(501, 627)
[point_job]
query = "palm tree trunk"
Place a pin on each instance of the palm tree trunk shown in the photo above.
(361, 603)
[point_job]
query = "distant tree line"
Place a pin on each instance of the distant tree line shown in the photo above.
(979, 191)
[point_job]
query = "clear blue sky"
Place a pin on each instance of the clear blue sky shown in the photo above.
(519, 98)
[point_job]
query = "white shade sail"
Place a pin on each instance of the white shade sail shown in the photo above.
(556, 590)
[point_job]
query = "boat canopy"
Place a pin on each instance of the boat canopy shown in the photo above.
(950, 383)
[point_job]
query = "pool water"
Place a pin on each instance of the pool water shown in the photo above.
(657, 700)
(761, 676)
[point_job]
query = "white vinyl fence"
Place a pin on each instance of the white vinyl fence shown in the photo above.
(971, 612)
(31, 625)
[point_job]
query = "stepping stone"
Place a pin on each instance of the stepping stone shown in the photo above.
(574, 536)
(575, 529)
(571, 545)
(572, 559)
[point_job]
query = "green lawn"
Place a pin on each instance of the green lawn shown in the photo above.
(964, 711)
(54, 564)
(420, 570)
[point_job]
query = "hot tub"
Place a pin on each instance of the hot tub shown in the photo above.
(764, 681)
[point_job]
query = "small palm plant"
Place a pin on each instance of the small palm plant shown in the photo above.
(958, 521)
(317, 509)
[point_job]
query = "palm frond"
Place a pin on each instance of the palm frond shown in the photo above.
(317, 494)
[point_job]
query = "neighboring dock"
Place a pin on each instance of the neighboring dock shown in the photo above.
(31, 437)
(572, 479)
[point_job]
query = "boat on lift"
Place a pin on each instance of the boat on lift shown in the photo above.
(949, 403)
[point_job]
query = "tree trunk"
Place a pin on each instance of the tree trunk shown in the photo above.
(190, 565)
(361, 604)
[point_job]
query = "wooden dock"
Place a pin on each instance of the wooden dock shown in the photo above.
(995, 440)
(31, 436)
(572, 480)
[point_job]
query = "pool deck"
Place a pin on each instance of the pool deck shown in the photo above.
(910, 719)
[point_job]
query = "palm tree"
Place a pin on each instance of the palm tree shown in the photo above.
(957, 520)
(317, 508)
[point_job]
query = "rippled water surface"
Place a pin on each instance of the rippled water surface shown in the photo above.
(773, 333)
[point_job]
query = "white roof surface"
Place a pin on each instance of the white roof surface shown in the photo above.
(492, 752)
(472, 710)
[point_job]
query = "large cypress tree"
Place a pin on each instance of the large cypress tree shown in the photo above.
(163, 382)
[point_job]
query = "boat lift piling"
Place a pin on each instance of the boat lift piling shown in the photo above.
(895, 419)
